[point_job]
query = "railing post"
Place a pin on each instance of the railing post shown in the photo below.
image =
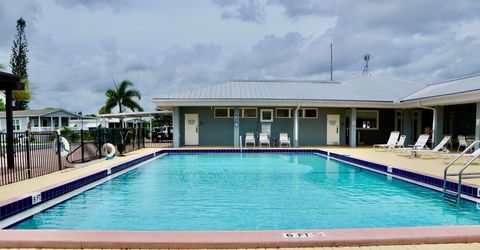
(27, 144)
(99, 134)
(82, 146)
(58, 150)
(113, 136)
(143, 137)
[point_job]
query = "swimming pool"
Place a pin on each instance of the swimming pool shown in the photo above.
(251, 192)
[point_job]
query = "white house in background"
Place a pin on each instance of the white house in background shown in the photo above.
(47, 119)
(86, 123)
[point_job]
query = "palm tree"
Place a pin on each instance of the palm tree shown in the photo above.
(122, 97)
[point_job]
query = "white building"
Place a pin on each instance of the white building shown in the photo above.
(48, 119)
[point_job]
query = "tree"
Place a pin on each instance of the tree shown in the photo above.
(122, 97)
(2, 66)
(2, 105)
(18, 63)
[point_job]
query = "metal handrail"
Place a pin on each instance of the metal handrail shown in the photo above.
(460, 173)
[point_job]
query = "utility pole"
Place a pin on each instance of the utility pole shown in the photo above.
(331, 62)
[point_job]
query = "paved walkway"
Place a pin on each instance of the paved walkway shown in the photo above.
(474, 246)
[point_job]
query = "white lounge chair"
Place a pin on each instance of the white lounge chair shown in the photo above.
(284, 140)
(419, 145)
(392, 141)
(449, 157)
(462, 142)
(263, 139)
(401, 142)
(439, 149)
(249, 139)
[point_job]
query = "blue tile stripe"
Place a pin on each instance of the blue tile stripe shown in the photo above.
(23, 204)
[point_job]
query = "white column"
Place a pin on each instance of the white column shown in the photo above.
(176, 127)
(353, 128)
(51, 124)
(151, 129)
(236, 127)
(295, 127)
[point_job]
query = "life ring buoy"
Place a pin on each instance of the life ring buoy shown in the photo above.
(64, 146)
(108, 150)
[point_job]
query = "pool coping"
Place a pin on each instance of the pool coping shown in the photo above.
(238, 239)
(29, 200)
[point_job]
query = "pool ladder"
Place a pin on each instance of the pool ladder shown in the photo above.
(455, 196)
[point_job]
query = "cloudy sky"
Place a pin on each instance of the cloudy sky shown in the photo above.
(77, 46)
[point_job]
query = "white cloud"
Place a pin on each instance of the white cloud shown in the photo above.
(77, 46)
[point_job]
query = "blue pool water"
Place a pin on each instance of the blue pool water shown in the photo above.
(251, 192)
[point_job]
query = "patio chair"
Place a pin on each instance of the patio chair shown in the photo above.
(419, 145)
(462, 142)
(263, 139)
(284, 140)
(401, 142)
(449, 157)
(439, 149)
(249, 139)
(392, 141)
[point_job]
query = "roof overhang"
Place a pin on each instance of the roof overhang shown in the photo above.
(10, 82)
(452, 99)
(168, 104)
(134, 114)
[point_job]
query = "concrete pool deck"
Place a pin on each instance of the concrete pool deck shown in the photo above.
(237, 239)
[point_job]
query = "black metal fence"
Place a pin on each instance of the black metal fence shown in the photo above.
(35, 154)
(38, 153)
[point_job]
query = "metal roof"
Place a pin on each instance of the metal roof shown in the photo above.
(449, 87)
(134, 114)
(364, 88)
(37, 112)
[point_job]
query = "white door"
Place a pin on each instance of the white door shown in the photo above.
(191, 129)
(333, 129)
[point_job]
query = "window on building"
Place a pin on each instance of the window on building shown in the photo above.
(310, 113)
(16, 125)
(34, 121)
(45, 122)
(266, 115)
(64, 122)
(248, 113)
(56, 122)
(367, 119)
(284, 113)
(223, 112)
